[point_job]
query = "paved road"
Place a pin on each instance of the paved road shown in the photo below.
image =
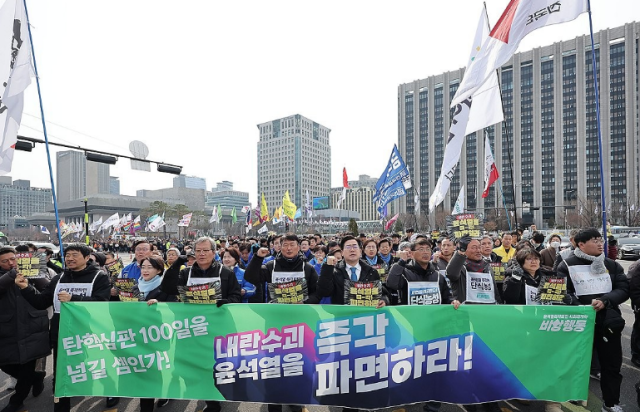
(631, 375)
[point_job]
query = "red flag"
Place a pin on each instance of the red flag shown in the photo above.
(345, 180)
(490, 170)
(391, 221)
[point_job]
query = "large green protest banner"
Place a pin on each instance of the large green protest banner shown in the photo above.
(323, 354)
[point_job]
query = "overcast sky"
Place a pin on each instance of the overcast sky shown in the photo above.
(192, 79)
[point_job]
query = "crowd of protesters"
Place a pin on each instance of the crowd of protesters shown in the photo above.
(247, 266)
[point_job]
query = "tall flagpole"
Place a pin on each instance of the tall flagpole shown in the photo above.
(595, 85)
(46, 138)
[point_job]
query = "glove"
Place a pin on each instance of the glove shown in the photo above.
(463, 242)
(221, 302)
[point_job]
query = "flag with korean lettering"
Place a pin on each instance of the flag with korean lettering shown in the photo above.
(348, 356)
(394, 181)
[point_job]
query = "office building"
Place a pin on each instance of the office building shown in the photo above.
(549, 134)
(77, 178)
(19, 199)
(359, 197)
(114, 185)
(222, 186)
(190, 182)
(224, 196)
(191, 198)
(293, 154)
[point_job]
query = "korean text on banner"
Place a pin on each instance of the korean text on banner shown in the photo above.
(334, 355)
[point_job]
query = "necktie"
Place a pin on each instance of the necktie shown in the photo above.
(354, 276)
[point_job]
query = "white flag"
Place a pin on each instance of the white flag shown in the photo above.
(156, 223)
(487, 110)
(95, 225)
(519, 19)
(596, 210)
(459, 206)
(44, 230)
(581, 210)
(263, 229)
(110, 222)
(633, 207)
(214, 215)
(416, 201)
(343, 196)
(15, 76)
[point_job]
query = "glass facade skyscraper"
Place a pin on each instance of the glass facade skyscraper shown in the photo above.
(549, 135)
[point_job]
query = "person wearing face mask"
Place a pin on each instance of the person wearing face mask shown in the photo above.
(548, 255)
(537, 239)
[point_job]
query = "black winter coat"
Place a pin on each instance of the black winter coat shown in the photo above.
(331, 281)
(403, 272)
(259, 274)
(230, 288)
(42, 300)
(24, 330)
(619, 286)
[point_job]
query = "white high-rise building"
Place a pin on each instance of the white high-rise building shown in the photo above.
(77, 177)
(294, 155)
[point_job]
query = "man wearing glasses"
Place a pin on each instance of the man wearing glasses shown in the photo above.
(142, 249)
(205, 270)
(600, 282)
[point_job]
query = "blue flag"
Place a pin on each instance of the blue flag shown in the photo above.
(394, 181)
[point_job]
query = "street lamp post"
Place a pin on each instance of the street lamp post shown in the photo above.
(568, 194)
(86, 222)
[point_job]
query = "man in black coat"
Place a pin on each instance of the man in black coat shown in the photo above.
(204, 270)
(24, 335)
(587, 264)
(289, 260)
(89, 283)
(332, 277)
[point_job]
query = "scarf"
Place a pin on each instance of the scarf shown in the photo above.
(385, 259)
(475, 265)
(597, 265)
(372, 261)
(147, 286)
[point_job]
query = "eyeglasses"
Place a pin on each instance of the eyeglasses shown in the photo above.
(532, 259)
(423, 250)
(351, 247)
(598, 241)
(372, 247)
(202, 251)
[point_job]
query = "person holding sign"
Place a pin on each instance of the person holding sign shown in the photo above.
(350, 274)
(529, 283)
(470, 275)
(418, 282)
(81, 281)
(149, 289)
(600, 282)
(24, 334)
(286, 272)
(205, 271)
(287, 267)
